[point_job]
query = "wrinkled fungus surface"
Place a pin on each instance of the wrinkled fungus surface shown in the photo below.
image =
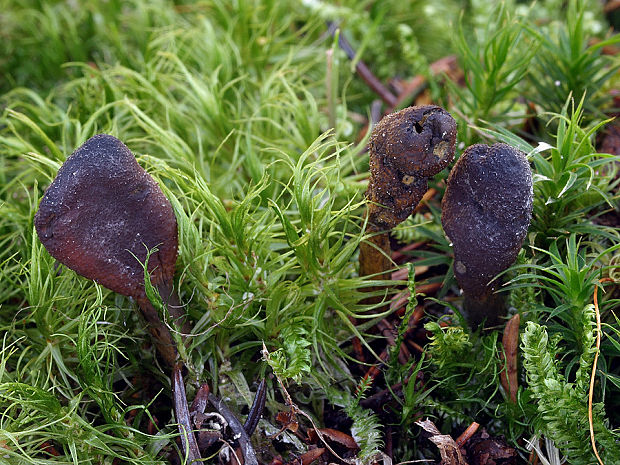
(406, 148)
(486, 212)
(101, 210)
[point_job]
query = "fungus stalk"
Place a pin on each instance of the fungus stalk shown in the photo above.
(406, 148)
(486, 212)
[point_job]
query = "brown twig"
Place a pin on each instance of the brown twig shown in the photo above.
(360, 67)
(181, 412)
(467, 434)
(417, 84)
(414, 345)
(257, 408)
(236, 427)
(404, 355)
(387, 329)
(402, 298)
(400, 253)
(374, 371)
(358, 350)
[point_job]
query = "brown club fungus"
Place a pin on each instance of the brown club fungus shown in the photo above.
(486, 212)
(100, 215)
(406, 148)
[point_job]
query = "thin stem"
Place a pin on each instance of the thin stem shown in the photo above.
(364, 72)
(593, 376)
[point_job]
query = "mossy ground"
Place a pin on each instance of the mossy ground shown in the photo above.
(254, 123)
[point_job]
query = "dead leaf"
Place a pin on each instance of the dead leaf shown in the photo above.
(288, 420)
(333, 435)
(311, 455)
(467, 434)
(482, 449)
(450, 452)
(510, 340)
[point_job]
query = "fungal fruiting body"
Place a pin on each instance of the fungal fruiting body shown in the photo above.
(102, 212)
(406, 148)
(99, 217)
(486, 212)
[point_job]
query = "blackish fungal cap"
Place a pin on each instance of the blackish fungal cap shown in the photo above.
(486, 212)
(102, 208)
(418, 141)
(406, 148)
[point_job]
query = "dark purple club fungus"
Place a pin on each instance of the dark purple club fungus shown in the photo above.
(406, 148)
(486, 212)
(99, 217)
